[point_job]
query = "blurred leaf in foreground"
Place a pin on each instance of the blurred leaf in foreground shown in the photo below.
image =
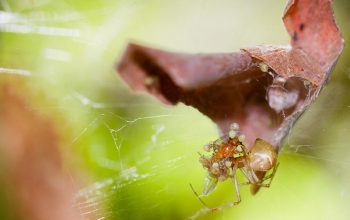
(38, 186)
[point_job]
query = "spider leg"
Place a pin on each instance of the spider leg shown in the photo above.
(249, 177)
(236, 185)
(273, 172)
(271, 176)
(199, 197)
(249, 173)
(260, 183)
(235, 182)
(238, 195)
(208, 209)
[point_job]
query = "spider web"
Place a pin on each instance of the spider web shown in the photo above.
(139, 156)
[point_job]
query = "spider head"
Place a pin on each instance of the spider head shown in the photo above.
(262, 157)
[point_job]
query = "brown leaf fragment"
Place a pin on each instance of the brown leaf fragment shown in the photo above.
(167, 75)
(265, 89)
(288, 62)
(312, 27)
(30, 151)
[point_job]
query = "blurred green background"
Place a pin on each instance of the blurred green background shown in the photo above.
(135, 157)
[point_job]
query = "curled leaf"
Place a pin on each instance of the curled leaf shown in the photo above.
(265, 88)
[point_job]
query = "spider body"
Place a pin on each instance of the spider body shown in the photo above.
(226, 152)
(227, 149)
(229, 154)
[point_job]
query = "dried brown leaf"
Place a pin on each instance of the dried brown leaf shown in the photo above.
(265, 89)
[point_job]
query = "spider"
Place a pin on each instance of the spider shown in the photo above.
(230, 154)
